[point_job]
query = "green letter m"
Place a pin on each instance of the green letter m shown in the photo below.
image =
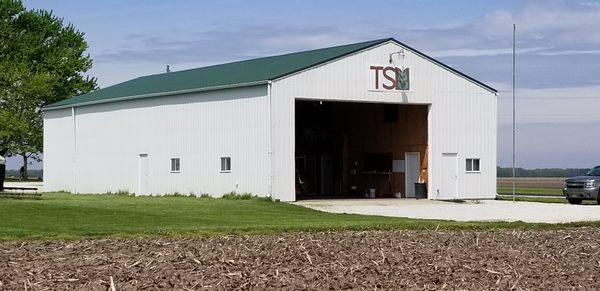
(402, 78)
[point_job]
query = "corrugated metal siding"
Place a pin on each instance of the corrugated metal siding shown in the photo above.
(197, 128)
(58, 150)
(462, 115)
(283, 131)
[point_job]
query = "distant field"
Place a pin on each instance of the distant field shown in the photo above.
(531, 191)
(548, 183)
(531, 186)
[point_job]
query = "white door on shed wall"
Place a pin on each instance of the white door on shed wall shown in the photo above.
(413, 168)
(142, 175)
(449, 176)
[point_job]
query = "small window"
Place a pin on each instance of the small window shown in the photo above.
(473, 165)
(225, 164)
(175, 165)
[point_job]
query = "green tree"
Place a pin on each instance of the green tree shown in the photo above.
(42, 61)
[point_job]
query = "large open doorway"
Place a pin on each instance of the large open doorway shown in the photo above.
(352, 150)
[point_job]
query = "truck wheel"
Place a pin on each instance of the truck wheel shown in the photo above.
(574, 200)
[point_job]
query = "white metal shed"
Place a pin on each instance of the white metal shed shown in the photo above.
(376, 116)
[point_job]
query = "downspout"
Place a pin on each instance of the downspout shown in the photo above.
(271, 158)
(74, 149)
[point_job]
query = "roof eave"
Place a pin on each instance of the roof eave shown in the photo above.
(160, 94)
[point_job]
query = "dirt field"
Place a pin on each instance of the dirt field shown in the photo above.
(361, 260)
(546, 183)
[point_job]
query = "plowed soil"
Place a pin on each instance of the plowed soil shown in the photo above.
(475, 260)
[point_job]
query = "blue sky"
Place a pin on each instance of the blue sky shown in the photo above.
(558, 51)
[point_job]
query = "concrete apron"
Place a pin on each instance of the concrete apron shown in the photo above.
(479, 210)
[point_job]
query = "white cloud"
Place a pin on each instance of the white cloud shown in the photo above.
(569, 23)
(307, 40)
(570, 52)
(592, 4)
(551, 105)
(482, 52)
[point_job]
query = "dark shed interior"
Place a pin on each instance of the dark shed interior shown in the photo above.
(350, 150)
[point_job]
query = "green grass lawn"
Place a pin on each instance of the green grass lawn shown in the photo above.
(67, 216)
(531, 191)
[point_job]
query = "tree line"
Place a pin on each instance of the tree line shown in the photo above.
(547, 172)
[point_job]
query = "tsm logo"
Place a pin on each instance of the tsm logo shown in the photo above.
(391, 78)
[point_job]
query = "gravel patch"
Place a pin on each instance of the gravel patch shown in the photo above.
(480, 210)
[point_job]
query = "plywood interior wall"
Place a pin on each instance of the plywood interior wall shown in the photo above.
(369, 133)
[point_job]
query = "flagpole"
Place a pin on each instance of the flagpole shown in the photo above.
(513, 112)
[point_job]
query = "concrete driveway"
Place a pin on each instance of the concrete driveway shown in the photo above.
(484, 210)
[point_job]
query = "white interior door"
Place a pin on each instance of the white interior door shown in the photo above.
(413, 168)
(449, 176)
(143, 174)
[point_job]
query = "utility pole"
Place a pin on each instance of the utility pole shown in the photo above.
(514, 131)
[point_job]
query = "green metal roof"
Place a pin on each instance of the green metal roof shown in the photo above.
(236, 74)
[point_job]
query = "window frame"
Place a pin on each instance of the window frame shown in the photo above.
(227, 163)
(177, 161)
(471, 162)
